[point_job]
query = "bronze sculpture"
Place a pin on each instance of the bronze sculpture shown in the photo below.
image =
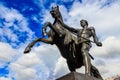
(66, 43)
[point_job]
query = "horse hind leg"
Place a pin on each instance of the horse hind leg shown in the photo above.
(71, 66)
(48, 40)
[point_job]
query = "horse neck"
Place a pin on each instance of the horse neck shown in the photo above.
(58, 18)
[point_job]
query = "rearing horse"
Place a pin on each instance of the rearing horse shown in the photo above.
(65, 41)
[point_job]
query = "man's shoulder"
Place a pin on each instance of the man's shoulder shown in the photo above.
(91, 28)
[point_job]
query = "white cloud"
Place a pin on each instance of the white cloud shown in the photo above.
(47, 18)
(48, 53)
(61, 64)
(9, 17)
(108, 56)
(102, 18)
(17, 71)
(3, 78)
(37, 65)
(110, 67)
(27, 65)
(13, 26)
(7, 53)
(110, 48)
(12, 21)
(28, 60)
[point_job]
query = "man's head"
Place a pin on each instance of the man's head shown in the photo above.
(84, 23)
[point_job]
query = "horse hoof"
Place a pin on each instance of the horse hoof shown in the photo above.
(27, 50)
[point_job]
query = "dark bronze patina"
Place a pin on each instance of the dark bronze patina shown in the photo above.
(84, 41)
(74, 50)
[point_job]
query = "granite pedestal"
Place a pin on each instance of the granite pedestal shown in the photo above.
(77, 76)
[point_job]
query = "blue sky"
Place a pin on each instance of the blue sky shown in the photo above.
(21, 22)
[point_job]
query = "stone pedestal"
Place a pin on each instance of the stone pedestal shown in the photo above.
(76, 76)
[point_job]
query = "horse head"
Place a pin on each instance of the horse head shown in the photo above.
(55, 12)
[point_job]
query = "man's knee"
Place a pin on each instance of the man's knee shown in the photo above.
(84, 51)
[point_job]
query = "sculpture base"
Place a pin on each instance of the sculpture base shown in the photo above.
(77, 76)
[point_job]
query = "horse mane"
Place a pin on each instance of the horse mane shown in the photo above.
(59, 15)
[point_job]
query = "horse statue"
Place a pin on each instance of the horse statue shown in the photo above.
(65, 41)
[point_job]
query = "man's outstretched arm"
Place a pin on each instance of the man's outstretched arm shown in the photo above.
(69, 28)
(95, 37)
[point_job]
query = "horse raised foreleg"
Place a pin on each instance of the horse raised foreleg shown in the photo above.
(45, 40)
(51, 26)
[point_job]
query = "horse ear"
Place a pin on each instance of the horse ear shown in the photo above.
(52, 7)
(57, 6)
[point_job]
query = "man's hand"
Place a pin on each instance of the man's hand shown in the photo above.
(99, 44)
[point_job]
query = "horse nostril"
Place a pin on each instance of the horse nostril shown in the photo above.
(52, 12)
